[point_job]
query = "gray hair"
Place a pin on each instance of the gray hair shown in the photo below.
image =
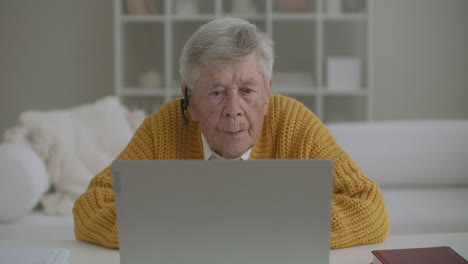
(224, 40)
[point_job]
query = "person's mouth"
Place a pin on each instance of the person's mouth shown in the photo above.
(235, 133)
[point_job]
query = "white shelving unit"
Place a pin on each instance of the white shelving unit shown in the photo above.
(148, 46)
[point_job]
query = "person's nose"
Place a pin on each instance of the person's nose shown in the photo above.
(233, 106)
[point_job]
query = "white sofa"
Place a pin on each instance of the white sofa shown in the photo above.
(421, 166)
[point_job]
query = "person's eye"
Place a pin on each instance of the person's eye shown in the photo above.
(247, 91)
(215, 93)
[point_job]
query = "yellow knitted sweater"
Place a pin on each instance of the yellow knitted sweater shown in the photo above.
(290, 130)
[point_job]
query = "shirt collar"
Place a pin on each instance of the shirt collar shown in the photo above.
(208, 152)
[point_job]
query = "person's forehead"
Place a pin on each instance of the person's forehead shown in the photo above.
(249, 71)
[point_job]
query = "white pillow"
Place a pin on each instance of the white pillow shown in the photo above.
(76, 144)
(23, 180)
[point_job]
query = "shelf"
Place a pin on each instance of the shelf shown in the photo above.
(148, 47)
(294, 6)
(295, 47)
(142, 18)
(245, 16)
(315, 91)
(310, 101)
(175, 92)
(274, 16)
(344, 108)
(194, 18)
(345, 17)
(360, 92)
(348, 41)
(142, 92)
(296, 91)
(142, 50)
(294, 17)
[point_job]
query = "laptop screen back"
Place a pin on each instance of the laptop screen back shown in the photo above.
(224, 212)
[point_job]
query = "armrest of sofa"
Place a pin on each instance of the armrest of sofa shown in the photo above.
(408, 153)
(23, 180)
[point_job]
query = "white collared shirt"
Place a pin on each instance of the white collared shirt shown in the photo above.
(212, 155)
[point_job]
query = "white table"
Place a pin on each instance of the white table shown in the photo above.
(88, 253)
(363, 255)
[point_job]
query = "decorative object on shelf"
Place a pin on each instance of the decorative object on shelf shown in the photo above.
(333, 7)
(297, 6)
(344, 73)
(186, 7)
(244, 7)
(140, 7)
(150, 79)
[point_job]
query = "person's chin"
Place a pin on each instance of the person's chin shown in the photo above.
(233, 151)
(233, 155)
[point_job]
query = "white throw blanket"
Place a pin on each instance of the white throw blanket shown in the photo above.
(76, 144)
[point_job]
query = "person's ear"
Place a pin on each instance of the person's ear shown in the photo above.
(268, 95)
(185, 94)
(182, 88)
(189, 101)
(184, 103)
(269, 87)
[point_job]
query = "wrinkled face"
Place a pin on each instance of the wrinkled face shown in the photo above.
(229, 104)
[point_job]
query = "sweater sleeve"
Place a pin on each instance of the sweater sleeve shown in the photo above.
(359, 214)
(94, 211)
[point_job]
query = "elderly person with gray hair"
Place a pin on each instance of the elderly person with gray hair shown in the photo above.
(229, 112)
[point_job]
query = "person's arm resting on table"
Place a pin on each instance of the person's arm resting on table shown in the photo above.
(94, 211)
(359, 214)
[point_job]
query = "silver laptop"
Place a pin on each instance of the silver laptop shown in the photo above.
(223, 212)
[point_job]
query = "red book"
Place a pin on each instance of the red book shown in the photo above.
(432, 255)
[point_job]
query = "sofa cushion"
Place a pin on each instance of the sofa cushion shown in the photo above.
(23, 180)
(402, 153)
(427, 210)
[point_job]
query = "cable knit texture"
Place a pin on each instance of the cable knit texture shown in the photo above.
(290, 131)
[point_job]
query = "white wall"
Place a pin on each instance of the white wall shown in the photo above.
(421, 59)
(53, 54)
(58, 53)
